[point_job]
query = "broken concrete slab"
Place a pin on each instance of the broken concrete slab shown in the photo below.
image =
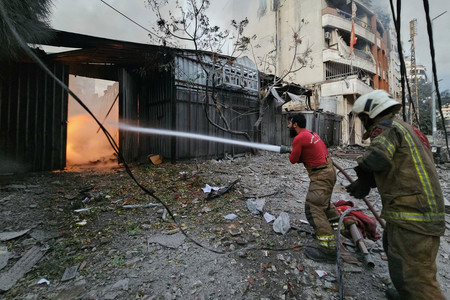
(170, 241)
(9, 279)
(70, 273)
(4, 256)
(113, 291)
(43, 235)
(6, 236)
(75, 291)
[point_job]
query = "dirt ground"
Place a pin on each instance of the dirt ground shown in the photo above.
(96, 245)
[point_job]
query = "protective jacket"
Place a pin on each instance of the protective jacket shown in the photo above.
(405, 176)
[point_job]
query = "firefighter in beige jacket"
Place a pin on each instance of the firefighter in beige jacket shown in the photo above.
(400, 164)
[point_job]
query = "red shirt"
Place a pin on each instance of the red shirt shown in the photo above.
(309, 149)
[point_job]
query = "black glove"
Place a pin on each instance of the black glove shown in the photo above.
(358, 189)
(285, 149)
(366, 177)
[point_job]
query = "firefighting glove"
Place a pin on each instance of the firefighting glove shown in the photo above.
(285, 149)
(366, 177)
(358, 189)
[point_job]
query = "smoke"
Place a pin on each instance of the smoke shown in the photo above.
(86, 144)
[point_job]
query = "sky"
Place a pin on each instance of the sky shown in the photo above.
(93, 17)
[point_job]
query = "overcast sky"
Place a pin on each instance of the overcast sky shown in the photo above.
(93, 17)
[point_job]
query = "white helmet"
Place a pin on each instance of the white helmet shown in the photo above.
(374, 103)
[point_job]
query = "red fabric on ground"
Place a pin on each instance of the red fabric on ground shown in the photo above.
(366, 225)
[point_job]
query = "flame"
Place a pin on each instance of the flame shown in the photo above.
(84, 144)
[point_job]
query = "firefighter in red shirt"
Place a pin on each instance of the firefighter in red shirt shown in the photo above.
(309, 149)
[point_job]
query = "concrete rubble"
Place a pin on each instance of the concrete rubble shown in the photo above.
(138, 253)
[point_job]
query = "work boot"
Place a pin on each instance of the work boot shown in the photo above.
(392, 294)
(321, 254)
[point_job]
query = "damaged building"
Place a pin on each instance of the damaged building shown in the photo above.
(338, 68)
(156, 86)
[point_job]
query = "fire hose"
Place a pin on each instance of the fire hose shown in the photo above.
(356, 236)
(369, 205)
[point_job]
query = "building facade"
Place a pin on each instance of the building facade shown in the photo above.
(322, 29)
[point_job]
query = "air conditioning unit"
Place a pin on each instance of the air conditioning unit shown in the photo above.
(327, 35)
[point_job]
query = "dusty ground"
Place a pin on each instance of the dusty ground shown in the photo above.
(138, 253)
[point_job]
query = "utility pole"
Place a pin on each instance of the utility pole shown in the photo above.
(433, 97)
(413, 33)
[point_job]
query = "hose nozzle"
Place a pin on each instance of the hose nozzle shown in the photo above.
(285, 149)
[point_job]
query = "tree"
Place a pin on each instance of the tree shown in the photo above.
(190, 24)
(30, 19)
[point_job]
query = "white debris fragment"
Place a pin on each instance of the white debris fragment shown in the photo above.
(281, 224)
(208, 188)
(268, 217)
(43, 280)
(321, 273)
(231, 217)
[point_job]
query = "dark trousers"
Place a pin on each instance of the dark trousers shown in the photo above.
(412, 262)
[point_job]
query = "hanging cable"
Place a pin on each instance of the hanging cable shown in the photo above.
(128, 18)
(114, 145)
(403, 72)
(433, 61)
(110, 139)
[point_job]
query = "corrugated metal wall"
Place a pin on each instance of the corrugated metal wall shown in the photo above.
(33, 119)
(156, 98)
(239, 109)
(160, 103)
(274, 129)
(326, 125)
(128, 113)
(272, 124)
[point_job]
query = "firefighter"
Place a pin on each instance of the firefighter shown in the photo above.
(400, 164)
(309, 149)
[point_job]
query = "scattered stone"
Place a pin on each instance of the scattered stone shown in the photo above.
(74, 291)
(70, 273)
(132, 261)
(242, 254)
(121, 284)
(170, 241)
(25, 263)
(206, 209)
(234, 231)
(6, 236)
(4, 256)
(240, 241)
(146, 226)
(43, 235)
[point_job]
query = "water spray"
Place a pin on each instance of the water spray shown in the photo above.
(273, 148)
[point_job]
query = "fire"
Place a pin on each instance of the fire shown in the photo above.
(84, 144)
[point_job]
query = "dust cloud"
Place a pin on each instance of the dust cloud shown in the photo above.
(86, 142)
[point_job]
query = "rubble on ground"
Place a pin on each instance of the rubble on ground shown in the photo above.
(101, 237)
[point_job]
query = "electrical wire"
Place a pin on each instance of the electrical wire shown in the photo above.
(432, 51)
(402, 59)
(110, 139)
(125, 16)
(114, 145)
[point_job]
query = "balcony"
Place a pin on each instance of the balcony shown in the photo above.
(348, 86)
(335, 18)
(360, 60)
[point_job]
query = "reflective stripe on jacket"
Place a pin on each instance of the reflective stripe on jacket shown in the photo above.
(406, 178)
